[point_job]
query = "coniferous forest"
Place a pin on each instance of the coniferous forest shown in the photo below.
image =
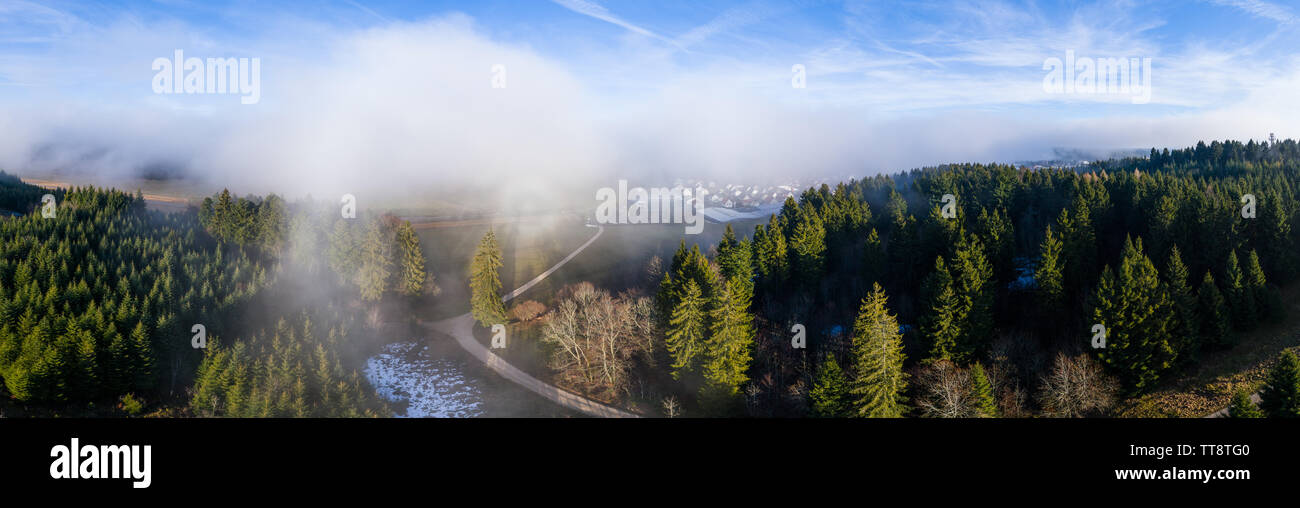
(1049, 292)
(965, 290)
(109, 308)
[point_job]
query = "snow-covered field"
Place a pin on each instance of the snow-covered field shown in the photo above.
(433, 387)
(723, 215)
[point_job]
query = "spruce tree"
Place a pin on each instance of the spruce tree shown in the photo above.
(728, 349)
(376, 262)
(1215, 328)
(982, 392)
(873, 260)
(1257, 286)
(1133, 305)
(1080, 248)
(808, 247)
(686, 330)
(735, 261)
(972, 281)
(1240, 299)
(879, 383)
(412, 276)
(485, 282)
(939, 324)
(830, 392)
(1048, 275)
(1243, 407)
(1184, 326)
(1280, 397)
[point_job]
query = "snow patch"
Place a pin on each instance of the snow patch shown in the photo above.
(431, 387)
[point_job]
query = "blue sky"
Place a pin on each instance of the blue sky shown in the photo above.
(646, 87)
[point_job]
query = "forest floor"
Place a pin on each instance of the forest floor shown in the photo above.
(1209, 385)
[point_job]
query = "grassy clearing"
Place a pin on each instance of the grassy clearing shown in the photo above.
(1209, 386)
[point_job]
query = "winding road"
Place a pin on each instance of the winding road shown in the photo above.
(461, 328)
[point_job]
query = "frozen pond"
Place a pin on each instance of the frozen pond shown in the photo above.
(432, 386)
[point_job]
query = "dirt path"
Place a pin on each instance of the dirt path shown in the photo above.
(461, 328)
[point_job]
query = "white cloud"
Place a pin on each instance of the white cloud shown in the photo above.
(410, 107)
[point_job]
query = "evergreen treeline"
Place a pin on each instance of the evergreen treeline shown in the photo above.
(97, 304)
(1173, 255)
(293, 370)
(705, 309)
(98, 301)
(246, 221)
(374, 254)
(20, 198)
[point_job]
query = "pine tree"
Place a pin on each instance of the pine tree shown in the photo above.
(485, 282)
(879, 383)
(982, 392)
(1135, 309)
(412, 275)
(830, 392)
(1215, 323)
(1280, 397)
(686, 330)
(939, 324)
(1243, 407)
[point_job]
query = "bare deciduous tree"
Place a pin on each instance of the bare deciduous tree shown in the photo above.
(672, 408)
(596, 337)
(945, 391)
(1076, 387)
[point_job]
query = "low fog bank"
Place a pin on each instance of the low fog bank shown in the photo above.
(407, 112)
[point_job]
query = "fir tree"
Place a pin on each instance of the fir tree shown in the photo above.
(485, 282)
(1243, 407)
(686, 330)
(1133, 305)
(1048, 275)
(735, 261)
(1280, 397)
(808, 247)
(727, 350)
(412, 276)
(1240, 299)
(972, 281)
(1256, 286)
(982, 392)
(830, 391)
(879, 383)
(1184, 326)
(1215, 323)
(376, 263)
(940, 323)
